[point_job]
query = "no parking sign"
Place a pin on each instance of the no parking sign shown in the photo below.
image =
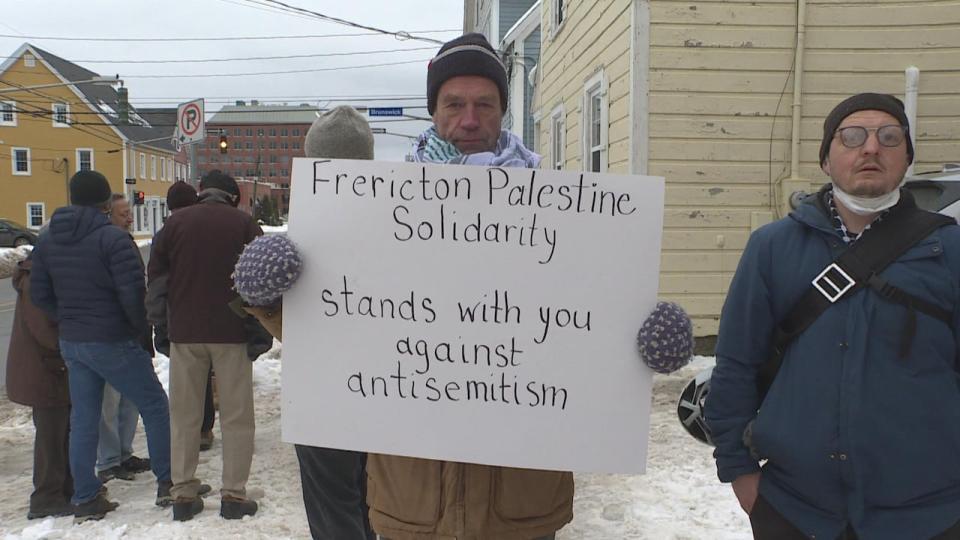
(190, 122)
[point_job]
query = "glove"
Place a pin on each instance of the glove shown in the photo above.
(665, 340)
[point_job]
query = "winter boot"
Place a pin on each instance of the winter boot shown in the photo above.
(184, 508)
(136, 464)
(94, 509)
(164, 499)
(236, 508)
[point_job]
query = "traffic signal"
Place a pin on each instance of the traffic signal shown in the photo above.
(223, 144)
(138, 197)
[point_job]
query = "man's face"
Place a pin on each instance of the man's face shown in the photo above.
(120, 214)
(871, 169)
(468, 113)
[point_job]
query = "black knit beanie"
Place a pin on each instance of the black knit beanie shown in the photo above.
(863, 102)
(180, 195)
(469, 54)
(89, 188)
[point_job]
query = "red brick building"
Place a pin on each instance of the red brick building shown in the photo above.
(262, 140)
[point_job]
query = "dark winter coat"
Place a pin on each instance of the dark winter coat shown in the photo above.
(193, 260)
(87, 273)
(853, 433)
(36, 374)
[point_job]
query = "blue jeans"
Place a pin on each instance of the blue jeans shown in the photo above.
(118, 425)
(128, 368)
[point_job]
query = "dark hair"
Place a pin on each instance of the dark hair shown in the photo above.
(217, 179)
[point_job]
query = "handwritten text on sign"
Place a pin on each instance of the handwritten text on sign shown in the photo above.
(471, 314)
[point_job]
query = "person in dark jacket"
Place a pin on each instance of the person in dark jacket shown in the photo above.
(180, 195)
(861, 439)
(119, 416)
(88, 276)
(194, 257)
(37, 378)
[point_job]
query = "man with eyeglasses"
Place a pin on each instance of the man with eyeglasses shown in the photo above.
(859, 433)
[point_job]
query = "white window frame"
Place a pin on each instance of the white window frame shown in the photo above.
(13, 111)
(29, 60)
(90, 150)
(143, 166)
(558, 138)
(13, 161)
(596, 86)
(153, 167)
(53, 118)
(43, 214)
(559, 12)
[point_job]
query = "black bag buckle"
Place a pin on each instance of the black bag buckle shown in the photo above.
(833, 282)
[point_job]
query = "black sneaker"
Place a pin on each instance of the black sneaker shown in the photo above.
(184, 508)
(234, 508)
(135, 464)
(115, 472)
(164, 499)
(56, 510)
(94, 509)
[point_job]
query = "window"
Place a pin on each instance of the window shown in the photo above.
(296, 145)
(249, 132)
(559, 13)
(84, 159)
(143, 166)
(237, 145)
(263, 145)
(273, 132)
(283, 132)
(284, 172)
(237, 132)
(595, 124)
(29, 60)
(249, 145)
(557, 138)
(8, 113)
(20, 161)
(273, 159)
(36, 212)
(296, 132)
(153, 167)
(61, 115)
(273, 145)
(285, 145)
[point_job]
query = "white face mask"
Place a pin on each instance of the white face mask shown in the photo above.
(865, 206)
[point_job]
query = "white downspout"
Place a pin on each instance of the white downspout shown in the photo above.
(798, 90)
(912, 76)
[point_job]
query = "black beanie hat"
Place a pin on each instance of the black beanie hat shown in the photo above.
(469, 54)
(863, 102)
(181, 194)
(89, 188)
(217, 179)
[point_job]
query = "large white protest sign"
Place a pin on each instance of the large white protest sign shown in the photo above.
(471, 314)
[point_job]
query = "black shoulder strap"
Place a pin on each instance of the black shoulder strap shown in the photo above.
(857, 267)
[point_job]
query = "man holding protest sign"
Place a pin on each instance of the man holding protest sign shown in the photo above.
(467, 97)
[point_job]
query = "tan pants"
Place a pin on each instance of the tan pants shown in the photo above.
(189, 365)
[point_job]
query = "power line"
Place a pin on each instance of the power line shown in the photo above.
(221, 38)
(249, 58)
(399, 35)
(285, 72)
(98, 135)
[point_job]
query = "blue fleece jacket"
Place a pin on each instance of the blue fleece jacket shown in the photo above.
(88, 275)
(852, 432)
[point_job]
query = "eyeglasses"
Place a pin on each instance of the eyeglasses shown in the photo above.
(856, 136)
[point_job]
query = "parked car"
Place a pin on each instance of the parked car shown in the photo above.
(938, 191)
(13, 234)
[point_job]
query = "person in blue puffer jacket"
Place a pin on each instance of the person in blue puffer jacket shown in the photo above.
(87, 276)
(860, 440)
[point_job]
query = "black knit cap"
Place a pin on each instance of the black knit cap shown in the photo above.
(217, 179)
(89, 188)
(863, 102)
(181, 194)
(469, 54)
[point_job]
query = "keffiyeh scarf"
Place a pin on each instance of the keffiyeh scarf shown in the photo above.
(509, 152)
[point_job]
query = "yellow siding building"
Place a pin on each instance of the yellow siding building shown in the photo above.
(702, 93)
(57, 118)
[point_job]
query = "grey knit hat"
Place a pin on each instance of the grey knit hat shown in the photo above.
(340, 133)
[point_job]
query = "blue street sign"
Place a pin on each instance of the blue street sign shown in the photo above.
(385, 111)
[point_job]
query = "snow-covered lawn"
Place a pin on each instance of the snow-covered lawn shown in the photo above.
(678, 498)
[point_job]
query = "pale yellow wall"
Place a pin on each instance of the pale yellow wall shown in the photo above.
(720, 95)
(49, 145)
(595, 35)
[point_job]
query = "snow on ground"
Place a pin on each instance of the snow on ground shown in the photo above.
(679, 498)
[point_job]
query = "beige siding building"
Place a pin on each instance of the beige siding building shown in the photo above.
(703, 93)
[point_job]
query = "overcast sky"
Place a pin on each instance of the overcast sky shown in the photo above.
(226, 18)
